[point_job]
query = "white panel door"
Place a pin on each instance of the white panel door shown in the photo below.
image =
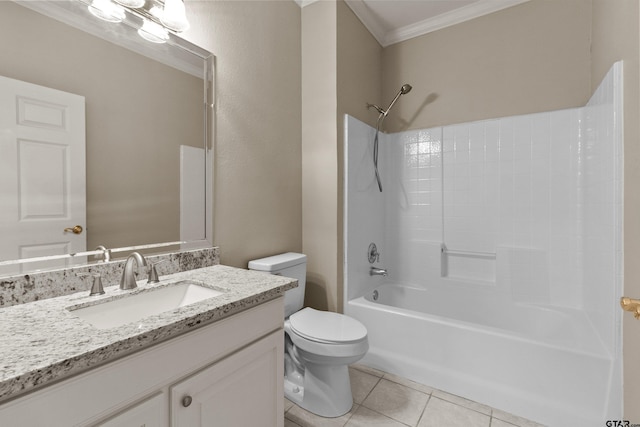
(42, 172)
(245, 389)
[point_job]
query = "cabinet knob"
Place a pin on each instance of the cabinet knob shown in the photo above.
(186, 401)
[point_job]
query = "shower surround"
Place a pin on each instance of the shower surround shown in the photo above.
(503, 243)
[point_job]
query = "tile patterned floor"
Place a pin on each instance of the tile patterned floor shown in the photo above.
(385, 400)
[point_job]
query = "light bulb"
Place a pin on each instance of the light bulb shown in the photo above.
(153, 32)
(174, 16)
(156, 12)
(107, 10)
(131, 3)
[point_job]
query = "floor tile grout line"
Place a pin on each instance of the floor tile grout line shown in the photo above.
(405, 385)
(490, 414)
(352, 413)
(504, 421)
(294, 422)
(371, 391)
(386, 416)
(368, 372)
(425, 410)
(401, 385)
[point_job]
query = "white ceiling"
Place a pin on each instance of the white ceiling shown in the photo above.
(393, 21)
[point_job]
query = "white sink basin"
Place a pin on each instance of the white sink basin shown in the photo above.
(144, 304)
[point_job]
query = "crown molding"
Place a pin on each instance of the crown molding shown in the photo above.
(369, 20)
(457, 16)
(388, 37)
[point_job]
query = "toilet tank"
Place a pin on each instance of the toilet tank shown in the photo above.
(291, 265)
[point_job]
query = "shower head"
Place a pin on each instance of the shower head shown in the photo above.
(405, 89)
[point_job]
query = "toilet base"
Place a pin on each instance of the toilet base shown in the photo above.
(326, 391)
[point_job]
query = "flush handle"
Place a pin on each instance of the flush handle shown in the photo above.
(632, 305)
(75, 230)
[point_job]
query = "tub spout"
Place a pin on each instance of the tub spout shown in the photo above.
(377, 271)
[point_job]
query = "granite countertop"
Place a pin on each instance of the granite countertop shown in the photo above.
(43, 341)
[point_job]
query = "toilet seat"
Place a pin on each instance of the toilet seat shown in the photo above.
(327, 327)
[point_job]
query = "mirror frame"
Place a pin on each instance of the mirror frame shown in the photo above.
(195, 61)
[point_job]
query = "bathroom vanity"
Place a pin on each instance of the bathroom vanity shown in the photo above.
(201, 364)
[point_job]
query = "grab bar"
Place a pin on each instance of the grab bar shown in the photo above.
(444, 250)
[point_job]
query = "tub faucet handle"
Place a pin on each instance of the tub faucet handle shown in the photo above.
(372, 254)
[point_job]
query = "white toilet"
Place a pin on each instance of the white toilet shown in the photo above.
(319, 345)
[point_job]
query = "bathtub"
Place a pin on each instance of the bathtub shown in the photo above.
(543, 364)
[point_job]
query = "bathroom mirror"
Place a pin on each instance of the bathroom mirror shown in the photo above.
(148, 112)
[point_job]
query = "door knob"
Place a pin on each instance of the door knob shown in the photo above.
(632, 305)
(75, 230)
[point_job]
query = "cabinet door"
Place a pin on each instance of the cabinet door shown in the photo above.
(244, 389)
(150, 413)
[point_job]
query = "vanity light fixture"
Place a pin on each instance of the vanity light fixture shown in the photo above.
(174, 16)
(153, 32)
(158, 16)
(107, 10)
(131, 3)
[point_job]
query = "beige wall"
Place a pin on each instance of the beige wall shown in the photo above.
(138, 112)
(319, 154)
(341, 68)
(616, 37)
(258, 181)
(528, 58)
(359, 69)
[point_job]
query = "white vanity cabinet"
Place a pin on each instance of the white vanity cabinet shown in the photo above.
(231, 372)
(237, 391)
(149, 413)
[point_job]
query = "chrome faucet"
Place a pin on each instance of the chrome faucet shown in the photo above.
(373, 271)
(128, 279)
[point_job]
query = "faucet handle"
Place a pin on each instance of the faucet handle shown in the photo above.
(96, 286)
(153, 272)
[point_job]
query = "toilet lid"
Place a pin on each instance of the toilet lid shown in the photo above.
(325, 326)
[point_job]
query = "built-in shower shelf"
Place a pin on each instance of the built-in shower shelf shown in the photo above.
(469, 266)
